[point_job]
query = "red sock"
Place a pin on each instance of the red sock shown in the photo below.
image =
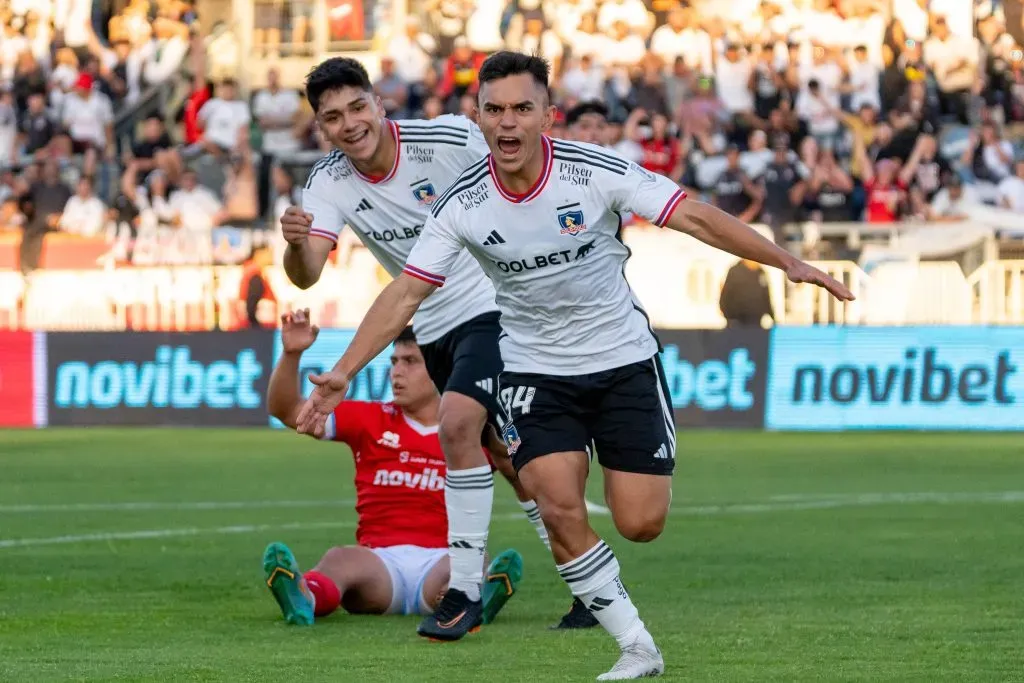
(326, 592)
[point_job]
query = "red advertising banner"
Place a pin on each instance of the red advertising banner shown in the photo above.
(16, 379)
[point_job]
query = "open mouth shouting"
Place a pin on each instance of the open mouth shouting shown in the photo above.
(509, 145)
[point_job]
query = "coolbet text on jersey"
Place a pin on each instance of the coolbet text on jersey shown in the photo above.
(556, 261)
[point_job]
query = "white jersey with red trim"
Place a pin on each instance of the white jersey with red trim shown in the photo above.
(388, 213)
(553, 255)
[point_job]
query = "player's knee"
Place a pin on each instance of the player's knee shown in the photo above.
(640, 526)
(563, 519)
(460, 430)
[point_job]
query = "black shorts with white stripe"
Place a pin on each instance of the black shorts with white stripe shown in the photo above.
(625, 411)
(466, 360)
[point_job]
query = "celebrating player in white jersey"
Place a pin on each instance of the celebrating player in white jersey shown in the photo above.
(381, 180)
(581, 361)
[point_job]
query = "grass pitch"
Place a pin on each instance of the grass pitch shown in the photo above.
(134, 555)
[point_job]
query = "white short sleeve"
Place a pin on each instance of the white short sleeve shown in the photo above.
(643, 193)
(328, 220)
(434, 253)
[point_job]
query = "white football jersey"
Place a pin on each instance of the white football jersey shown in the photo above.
(554, 256)
(388, 213)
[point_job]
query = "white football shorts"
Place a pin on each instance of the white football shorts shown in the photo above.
(408, 566)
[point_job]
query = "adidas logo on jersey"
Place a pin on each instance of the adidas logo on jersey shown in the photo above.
(363, 206)
(486, 384)
(494, 239)
(662, 453)
(427, 480)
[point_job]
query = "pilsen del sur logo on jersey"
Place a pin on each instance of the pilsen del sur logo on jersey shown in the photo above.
(570, 218)
(423, 191)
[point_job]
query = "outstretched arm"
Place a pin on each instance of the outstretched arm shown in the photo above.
(720, 230)
(389, 314)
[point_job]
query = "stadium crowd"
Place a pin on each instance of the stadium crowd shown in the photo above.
(777, 110)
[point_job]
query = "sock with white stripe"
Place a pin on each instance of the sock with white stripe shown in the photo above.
(593, 577)
(533, 514)
(468, 498)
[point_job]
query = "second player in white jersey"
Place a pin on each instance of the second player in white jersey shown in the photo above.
(556, 262)
(388, 213)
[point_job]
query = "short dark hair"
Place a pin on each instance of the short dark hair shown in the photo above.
(334, 74)
(507, 63)
(406, 335)
(584, 108)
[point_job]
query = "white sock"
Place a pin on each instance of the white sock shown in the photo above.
(593, 577)
(468, 497)
(533, 514)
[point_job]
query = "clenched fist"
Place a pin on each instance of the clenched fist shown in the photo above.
(295, 225)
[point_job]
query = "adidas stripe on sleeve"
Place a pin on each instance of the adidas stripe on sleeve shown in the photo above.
(634, 189)
(317, 199)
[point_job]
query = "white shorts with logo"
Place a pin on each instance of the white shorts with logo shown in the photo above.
(408, 566)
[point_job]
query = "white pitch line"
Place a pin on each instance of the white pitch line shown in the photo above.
(174, 505)
(146, 534)
(851, 500)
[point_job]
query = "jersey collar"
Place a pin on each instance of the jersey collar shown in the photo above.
(538, 186)
(398, 156)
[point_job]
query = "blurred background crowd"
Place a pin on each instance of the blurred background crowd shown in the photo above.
(154, 136)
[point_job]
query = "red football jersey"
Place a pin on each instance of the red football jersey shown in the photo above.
(399, 479)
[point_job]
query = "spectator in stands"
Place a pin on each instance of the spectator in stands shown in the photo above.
(241, 198)
(829, 197)
(223, 118)
(632, 13)
(745, 299)
(155, 151)
(255, 287)
(276, 110)
(8, 130)
(734, 192)
(679, 85)
(863, 86)
(11, 47)
(88, 117)
(953, 59)
(679, 38)
(170, 46)
(29, 78)
(391, 89)
(954, 201)
(432, 107)
(42, 203)
(448, 24)
(623, 145)
(589, 41)
(540, 40)
(784, 184)
(884, 189)
(587, 122)
(460, 73)
(988, 156)
(662, 150)
(194, 206)
(923, 174)
(627, 47)
(732, 80)
(413, 50)
(84, 214)
(36, 127)
(584, 80)
(767, 84)
(1011, 189)
(819, 114)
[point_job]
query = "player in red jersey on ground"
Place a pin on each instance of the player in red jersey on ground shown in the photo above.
(400, 562)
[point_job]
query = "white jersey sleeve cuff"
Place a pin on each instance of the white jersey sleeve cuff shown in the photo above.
(330, 429)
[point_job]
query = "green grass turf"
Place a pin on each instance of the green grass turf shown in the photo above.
(810, 583)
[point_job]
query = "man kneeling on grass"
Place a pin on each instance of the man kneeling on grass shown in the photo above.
(400, 565)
